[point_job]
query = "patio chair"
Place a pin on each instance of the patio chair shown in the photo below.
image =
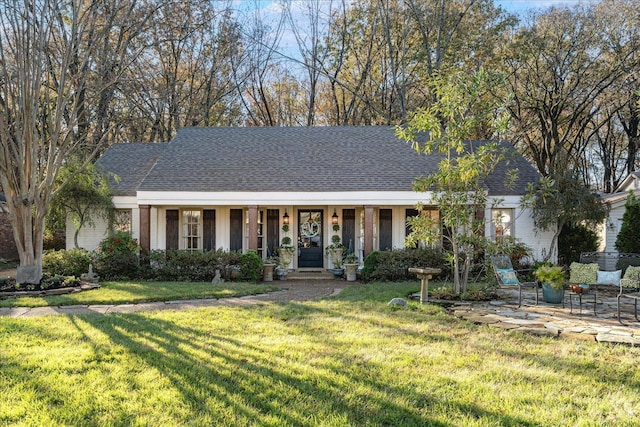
(508, 277)
(630, 289)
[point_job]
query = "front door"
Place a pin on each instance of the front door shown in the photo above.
(310, 239)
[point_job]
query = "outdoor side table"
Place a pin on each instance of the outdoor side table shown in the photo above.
(424, 274)
(591, 293)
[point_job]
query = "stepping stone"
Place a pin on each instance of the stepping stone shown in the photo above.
(621, 333)
(552, 327)
(524, 322)
(512, 314)
(574, 330)
(543, 332)
(618, 339)
(480, 319)
(502, 325)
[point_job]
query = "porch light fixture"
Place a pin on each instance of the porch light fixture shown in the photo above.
(334, 218)
(285, 218)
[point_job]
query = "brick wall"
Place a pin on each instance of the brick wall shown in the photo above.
(7, 244)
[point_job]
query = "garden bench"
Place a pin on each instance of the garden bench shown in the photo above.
(601, 269)
(621, 270)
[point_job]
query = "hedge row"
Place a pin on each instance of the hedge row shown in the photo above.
(394, 265)
(118, 258)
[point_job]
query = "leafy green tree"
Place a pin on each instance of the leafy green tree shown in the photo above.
(85, 198)
(461, 112)
(561, 201)
(628, 239)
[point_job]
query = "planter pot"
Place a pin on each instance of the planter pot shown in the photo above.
(350, 270)
(551, 295)
(286, 255)
(267, 274)
(281, 273)
(337, 272)
(335, 254)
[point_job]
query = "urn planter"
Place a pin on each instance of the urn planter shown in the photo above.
(350, 271)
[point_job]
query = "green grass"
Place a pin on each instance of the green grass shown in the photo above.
(350, 360)
(138, 292)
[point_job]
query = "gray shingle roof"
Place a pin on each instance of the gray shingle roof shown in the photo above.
(296, 159)
(130, 163)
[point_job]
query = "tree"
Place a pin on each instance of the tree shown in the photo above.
(85, 198)
(46, 60)
(628, 239)
(561, 68)
(574, 240)
(461, 111)
(562, 201)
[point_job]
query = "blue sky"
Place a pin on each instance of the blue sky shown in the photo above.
(521, 6)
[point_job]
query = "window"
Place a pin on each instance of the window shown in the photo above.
(502, 220)
(191, 221)
(429, 217)
(122, 221)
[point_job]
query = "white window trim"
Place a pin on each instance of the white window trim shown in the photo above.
(183, 237)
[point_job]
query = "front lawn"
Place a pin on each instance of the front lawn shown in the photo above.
(139, 292)
(349, 360)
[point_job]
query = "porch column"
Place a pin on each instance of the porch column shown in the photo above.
(145, 227)
(253, 227)
(368, 230)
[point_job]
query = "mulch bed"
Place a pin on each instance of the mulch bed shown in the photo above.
(49, 285)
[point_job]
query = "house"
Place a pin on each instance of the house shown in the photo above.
(235, 188)
(8, 249)
(616, 203)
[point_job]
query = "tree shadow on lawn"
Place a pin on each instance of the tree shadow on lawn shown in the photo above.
(258, 381)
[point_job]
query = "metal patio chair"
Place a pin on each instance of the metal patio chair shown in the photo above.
(508, 277)
(630, 289)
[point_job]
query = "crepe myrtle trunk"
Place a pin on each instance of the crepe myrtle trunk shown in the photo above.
(28, 223)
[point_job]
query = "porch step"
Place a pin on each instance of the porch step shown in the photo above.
(310, 275)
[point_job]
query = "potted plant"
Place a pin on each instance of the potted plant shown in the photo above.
(269, 266)
(552, 278)
(285, 252)
(351, 266)
(334, 251)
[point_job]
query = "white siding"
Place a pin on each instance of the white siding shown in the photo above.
(88, 237)
(524, 229)
(523, 226)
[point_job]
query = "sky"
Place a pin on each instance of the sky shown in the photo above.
(521, 6)
(271, 10)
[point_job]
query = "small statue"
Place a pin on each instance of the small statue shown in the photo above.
(217, 280)
(90, 277)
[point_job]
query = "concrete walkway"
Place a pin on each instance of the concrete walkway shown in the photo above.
(543, 319)
(289, 291)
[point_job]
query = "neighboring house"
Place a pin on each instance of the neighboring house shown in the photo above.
(8, 250)
(235, 188)
(616, 202)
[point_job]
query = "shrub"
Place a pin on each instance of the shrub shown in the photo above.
(575, 239)
(394, 265)
(73, 262)
(627, 239)
(117, 257)
(58, 281)
(185, 265)
(517, 251)
(182, 265)
(250, 266)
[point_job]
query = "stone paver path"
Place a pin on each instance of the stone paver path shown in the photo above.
(555, 320)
